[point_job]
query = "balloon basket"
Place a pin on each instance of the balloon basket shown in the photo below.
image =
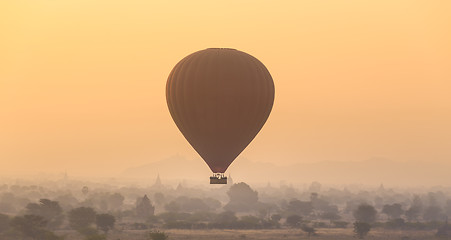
(218, 178)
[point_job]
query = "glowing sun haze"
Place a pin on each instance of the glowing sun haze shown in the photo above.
(82, 82)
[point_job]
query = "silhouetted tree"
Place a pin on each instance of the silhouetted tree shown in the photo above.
(444, 231)
(29, 225)
(66, 201)
(212, 203)
(265, 210)
(365, 213)
(225, 219)
(276, 217)
(396, 223)
(361, 229)
(447, 209)
(105, 222)
(300, 207)
(413, 213)
(49, 210)
(115, 201)
(144, 207)
(81, 218)
(172, 207)
(433, 213)
(242, 198)
(4, 223)
(415, 209)
(320, 205)
(331, 216)
(309, 230)
(393, 211)
(352, 205)
(191, 204)
(33, 227)
(294, 220)
(249, 222)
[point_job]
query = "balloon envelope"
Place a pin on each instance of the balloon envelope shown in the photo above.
(219, 99)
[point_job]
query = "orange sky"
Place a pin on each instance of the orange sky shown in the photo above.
(82, 82)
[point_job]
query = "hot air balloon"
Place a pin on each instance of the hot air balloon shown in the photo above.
(219, 99)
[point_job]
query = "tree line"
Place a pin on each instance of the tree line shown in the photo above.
(95, 213)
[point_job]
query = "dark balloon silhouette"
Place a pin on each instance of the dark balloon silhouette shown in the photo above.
(219, 98)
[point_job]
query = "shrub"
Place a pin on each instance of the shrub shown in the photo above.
(157, 235)
(293, 220)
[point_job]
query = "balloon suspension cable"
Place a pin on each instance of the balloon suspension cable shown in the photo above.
(218, 178)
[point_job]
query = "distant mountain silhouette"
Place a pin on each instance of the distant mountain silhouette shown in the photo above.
(374, 171)
(175, 167)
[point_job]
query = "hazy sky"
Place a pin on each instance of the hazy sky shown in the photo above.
(82, 82)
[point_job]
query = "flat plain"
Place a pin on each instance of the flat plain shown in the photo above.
(267, 234)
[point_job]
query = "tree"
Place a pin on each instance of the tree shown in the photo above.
(309, 230)
(433, 213)
(81, 218)
(4, 223)
(195, 205)
(330, 215)
(172, 207)
(115, 201)
(361, 229)
(29, 225)
(447, 209)
(415, 209)
(67, 201)
(444, 230)
(265, 209)
(413, 213)
(365, 213)
(249, 222)
(105, 222)
(32, 226)
(294, 220)
(225, 219)
(191, 204)
(144, 208)
(242, 198)
(49, 210)
(242, 193)
(276, 217)
(396, 223)
(300, 207)
(212, 203)
(393, 211)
